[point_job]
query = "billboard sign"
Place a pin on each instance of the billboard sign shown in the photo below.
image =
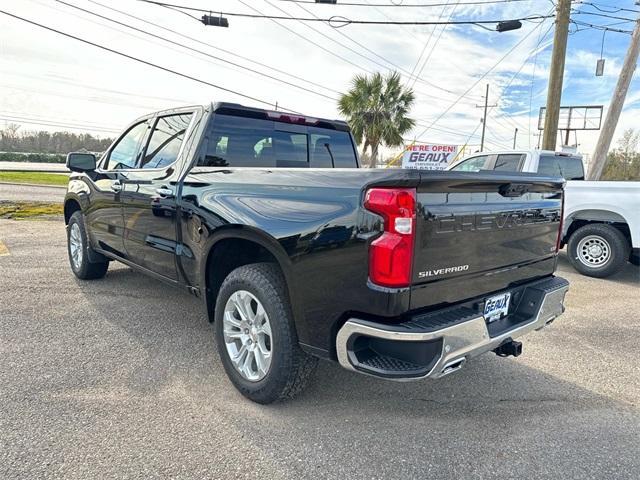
(582, 117)
(429, 156)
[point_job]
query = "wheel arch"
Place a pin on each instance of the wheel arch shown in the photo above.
(233, 246)
(580, 218)
(71, 205)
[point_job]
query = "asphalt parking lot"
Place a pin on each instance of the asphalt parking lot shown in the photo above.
(119, 378)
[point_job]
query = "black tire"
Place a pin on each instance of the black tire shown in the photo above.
(600, 234)
(291, 368)
(91, 264)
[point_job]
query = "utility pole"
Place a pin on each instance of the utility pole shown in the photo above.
(515, 136)
(554, 90)
(599, 159)
(484, 118)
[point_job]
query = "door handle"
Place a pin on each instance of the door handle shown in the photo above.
(164, 192)
(116, 186)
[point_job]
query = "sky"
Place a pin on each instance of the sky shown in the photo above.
(49, 81)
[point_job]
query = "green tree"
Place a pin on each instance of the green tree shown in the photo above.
(623, 163)
(377, 109)
(12, 139)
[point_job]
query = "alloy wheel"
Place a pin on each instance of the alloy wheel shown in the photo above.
(75, 246)
(247, 335)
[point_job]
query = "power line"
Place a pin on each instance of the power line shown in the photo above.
(515, 75)
(433, 47)
(197, 51)
(53, 123)
(229, 52)
(77, 96)
(603, 15)
(480, 79)
(338, 21)
(598, 6)
(409, 5)
(599, 27)
(394, 65)
(426, 44)
(139, 60)
(86, 123)
(323, 34)
(533, 73)
(185, 46)
(419, 39)
(349, 48)
(536, 49)
(330, 52)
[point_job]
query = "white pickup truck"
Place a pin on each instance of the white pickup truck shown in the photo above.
(601, 219)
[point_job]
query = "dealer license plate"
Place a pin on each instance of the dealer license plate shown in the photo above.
(496, 307)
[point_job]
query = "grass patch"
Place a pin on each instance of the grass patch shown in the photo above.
(35, 177)
(24, 210)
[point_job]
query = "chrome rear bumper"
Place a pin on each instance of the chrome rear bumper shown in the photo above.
(440, 342)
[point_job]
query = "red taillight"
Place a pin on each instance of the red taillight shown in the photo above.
(559, 239)
(391, 254)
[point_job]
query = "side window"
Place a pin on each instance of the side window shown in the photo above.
(166, 140)
(509, 162)
(126, 152)
(473, 164)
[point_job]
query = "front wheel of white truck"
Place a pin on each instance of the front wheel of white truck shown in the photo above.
(256, 337)
(598, 250)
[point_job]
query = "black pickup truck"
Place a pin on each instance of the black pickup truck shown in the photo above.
(300, 254)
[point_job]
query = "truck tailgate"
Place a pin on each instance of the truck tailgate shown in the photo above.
(477, 233)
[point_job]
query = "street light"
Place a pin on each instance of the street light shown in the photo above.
(508, 25)
(215, 21)
(505, 26)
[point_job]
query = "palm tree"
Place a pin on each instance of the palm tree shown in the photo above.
(376, 108)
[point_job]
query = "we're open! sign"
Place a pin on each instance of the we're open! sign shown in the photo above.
(429, 157)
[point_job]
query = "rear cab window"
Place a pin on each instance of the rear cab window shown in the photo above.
(509, 162)
(235, 141)
(567, 166)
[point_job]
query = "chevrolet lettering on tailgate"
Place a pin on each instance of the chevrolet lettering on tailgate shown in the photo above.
(497, 221)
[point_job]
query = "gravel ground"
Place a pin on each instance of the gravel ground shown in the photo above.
(119, 378)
